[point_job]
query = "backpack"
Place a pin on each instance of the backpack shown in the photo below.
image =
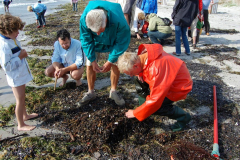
(167, 21)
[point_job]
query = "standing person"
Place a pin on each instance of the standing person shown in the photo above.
(194, 30)
(166, 76)
(157, 29)
(127, 8)
(68, 58)
(184, 12)
(14, 63)
(6, 4)
(74, 4)
(149, 6)
(103, 28)
(39, 9)
(205, 16)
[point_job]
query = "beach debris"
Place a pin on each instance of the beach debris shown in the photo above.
(55, 83)
(20, 135)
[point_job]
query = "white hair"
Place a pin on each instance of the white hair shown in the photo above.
(127, 60)
(96, 19)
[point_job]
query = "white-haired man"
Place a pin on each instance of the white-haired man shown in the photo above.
(103, 28)
(166, 76)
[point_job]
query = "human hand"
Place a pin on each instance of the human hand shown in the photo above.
(96, 68)
(60, 72)
(106, 67)
(36, 21)
(23, 54)
(56, 73)
(138, 36)
(129, 114)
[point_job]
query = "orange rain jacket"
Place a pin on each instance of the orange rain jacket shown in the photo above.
(166, 75)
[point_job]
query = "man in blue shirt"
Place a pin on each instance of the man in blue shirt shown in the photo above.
(39, 9)
(68, 58)
(103, 28)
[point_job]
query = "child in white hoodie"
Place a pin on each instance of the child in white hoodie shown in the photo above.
(13, 62)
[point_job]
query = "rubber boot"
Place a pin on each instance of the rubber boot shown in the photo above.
(141, 100)
(182, 118)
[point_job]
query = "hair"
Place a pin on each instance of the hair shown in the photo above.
(96, 19)
(63, 34)
(29, 8)
(127, 60)
(141, 16)
(10, 24)
(147, 18)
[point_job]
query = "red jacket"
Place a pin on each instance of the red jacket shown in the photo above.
(166, 75)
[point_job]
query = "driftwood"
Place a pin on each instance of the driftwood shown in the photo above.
(6, 139)
(55, 83)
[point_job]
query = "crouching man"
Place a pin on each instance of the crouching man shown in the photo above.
(168, 79)
(68, 58)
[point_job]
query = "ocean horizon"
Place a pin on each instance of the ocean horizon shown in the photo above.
(19, 8)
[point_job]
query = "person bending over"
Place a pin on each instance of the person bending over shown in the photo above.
(167, 78)
(103, 28)
(39, 9)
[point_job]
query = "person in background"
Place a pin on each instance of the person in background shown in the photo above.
(68, 58)
(205, 16)
(14, 63)
(74, 4)
(103, 28)
(157, 29)
(39, 9)
(127, 6)
(194, 24)
(6, 4)
(167, 78)
(149, 6)
(184, 12)
(138, 21)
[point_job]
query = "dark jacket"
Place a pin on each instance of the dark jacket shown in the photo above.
(184, 12)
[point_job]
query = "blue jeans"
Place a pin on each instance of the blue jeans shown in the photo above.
(41, 18)
(75, 7)
(158, 37)
(181, 31)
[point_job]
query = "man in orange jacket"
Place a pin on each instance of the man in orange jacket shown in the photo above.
(168, 79)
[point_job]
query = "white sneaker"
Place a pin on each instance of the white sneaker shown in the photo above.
(118, 100)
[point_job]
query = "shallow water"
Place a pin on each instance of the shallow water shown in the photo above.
(19, 8)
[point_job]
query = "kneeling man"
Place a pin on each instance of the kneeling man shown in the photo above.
(68, 58)
(168, 79)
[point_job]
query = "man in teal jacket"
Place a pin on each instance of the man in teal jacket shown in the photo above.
(103, 28)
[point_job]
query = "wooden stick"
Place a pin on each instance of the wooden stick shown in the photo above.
(55, 83)
(8, 138)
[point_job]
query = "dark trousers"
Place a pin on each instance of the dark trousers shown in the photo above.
(41, 18)
(167, 108)
(206, 22)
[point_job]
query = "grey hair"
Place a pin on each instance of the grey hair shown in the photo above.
(96, 19)
(127, 60)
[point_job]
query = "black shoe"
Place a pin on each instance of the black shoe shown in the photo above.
(194, 46)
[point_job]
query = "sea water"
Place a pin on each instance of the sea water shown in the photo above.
(19, 8)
